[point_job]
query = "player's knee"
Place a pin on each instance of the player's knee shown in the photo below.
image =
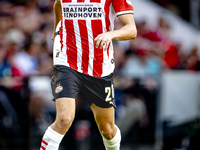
(107, 130)
(65, 120)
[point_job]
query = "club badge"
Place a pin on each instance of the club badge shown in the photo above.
(58, 89)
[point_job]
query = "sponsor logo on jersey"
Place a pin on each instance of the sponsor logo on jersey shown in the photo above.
(58, 89)
(82, 11)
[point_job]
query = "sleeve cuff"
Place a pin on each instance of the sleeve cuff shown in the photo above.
(124, 12)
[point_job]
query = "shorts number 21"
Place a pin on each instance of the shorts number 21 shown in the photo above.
(109, 91)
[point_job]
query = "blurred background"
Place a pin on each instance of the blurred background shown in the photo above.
(157, 81)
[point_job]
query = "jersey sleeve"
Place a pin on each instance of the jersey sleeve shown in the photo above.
(122, 7)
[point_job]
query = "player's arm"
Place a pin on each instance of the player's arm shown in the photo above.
(128, 31)
(57, 17)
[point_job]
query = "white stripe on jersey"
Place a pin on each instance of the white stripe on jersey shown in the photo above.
(91, 47)
(111, 17)
(105, 55)
(78, 42)
(78, 45)
(64, 37)
(104, 19)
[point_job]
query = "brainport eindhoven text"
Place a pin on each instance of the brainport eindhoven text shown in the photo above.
(82, 12)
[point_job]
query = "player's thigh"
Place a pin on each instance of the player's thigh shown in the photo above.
(65, 109)
(104, 117)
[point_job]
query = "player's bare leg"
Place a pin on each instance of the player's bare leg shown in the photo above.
(104, 118)
(65, 112)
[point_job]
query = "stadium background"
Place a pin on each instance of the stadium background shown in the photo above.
(156, 79)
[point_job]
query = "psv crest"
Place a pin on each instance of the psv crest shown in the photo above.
(58, 89)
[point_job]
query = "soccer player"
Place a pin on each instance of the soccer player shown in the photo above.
(83, 61)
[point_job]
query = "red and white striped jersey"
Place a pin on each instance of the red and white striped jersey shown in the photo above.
(81, 22)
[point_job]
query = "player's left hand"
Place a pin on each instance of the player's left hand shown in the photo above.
(103, 39)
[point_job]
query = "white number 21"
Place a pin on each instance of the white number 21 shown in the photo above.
(109, 91)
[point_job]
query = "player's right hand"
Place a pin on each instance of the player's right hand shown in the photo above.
(103, 39)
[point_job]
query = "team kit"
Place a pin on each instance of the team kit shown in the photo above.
(81, 65)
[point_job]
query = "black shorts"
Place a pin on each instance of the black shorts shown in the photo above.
(67, 82)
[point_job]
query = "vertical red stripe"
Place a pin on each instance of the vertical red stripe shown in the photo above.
(85, 45)
(107, 11)
(61, 32)
(71, 45)
(98, 53)
(107, 19)
(108, 50)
